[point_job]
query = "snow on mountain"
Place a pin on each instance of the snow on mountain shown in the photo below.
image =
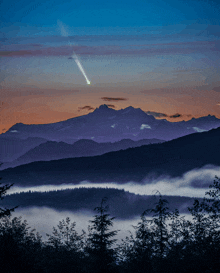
(105, 124)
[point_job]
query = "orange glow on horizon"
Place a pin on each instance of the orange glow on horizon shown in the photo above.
(40, 106)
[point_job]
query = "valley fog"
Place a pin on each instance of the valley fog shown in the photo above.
(192, 184)
(44, 219)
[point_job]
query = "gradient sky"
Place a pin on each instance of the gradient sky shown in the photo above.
(161, 56)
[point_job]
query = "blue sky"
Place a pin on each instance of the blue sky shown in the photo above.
(44, 14)
(161, 56)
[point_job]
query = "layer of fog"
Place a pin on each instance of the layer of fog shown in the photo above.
(44, 219)
(192, 184)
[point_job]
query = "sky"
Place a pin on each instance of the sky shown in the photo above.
(62, 59)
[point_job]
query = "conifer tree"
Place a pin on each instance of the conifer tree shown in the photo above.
(20, 247)
(64, 248)
(3, 190)
(160, 230)
(66, 236)
(99, 246)
(135, 252)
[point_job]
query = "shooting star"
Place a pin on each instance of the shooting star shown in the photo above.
(74, 56)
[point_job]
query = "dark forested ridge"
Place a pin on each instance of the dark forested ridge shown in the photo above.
(52, 150)
(162, 241)
(173, 158)
(122, 204)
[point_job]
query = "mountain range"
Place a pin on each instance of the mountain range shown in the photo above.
(52, 150)
(96, 133)
(172, 158)
(105, 124)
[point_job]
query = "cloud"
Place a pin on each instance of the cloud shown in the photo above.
(146, 49)
(163, 115)
(43, 51)
(113, 99)
(156, 114)
(87, 107)
(111, 105)
(176, 116)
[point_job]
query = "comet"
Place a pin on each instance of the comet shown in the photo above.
(80, 67)
(74, 56)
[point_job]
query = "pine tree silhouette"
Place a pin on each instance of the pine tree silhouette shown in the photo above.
(99, 246)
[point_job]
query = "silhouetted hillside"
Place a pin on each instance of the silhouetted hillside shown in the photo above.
(172, 158)
(122, 204)
(52, 150)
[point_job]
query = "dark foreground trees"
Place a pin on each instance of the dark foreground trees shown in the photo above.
(101, 256)
(3, 190)
(167, 242)
(19, 246)
(163, 241)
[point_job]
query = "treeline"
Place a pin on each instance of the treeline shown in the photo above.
(162, 241)
(122, 204)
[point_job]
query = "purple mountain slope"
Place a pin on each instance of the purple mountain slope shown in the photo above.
(173, 158)
(108, 125)
(11, 147)
(52, 150)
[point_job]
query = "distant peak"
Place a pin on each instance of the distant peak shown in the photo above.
(103, 106)
(212, 117)
(16, 126)
(103, 109)
(131, 108)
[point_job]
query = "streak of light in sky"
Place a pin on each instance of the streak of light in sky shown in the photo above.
(74, 56)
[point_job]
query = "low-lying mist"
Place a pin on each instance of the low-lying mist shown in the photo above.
(44, 219)
(192, 184)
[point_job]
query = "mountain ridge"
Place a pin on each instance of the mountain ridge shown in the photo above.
(52, 150)
(172, 158)
(122, 204)
(105, 124)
